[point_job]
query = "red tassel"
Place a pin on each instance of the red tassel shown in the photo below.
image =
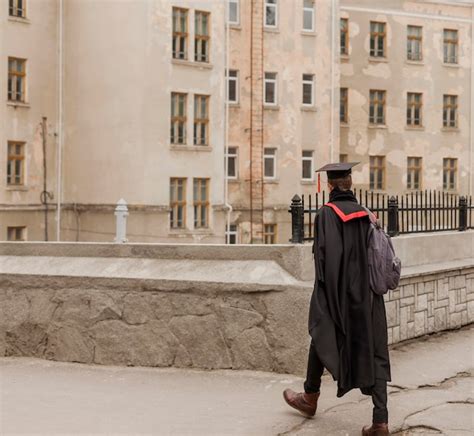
(319, 183)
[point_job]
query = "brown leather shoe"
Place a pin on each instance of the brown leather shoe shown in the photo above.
(376, 430)
(303, 402)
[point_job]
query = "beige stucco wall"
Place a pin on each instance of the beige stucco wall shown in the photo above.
(33, 39)
(398, 76)
(117, 112)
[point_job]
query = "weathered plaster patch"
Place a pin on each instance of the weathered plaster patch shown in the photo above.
(381, 70)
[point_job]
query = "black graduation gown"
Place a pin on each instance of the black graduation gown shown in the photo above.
(347, 321)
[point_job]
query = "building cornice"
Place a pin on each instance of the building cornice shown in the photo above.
(399, 13)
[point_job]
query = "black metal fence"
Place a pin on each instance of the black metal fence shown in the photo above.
(415, 212)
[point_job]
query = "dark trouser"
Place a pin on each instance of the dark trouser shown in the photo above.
(378, 391)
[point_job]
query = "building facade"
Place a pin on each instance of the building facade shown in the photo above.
(407, 94)
(207, 116)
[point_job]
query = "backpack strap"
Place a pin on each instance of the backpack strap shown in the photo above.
(372, 216)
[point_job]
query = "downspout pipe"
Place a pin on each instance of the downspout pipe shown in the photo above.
(227, 205)
(59, 122)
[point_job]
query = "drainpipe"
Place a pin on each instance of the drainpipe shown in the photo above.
(333, 36)
(228, 206)
(59, 122)
(471, 133)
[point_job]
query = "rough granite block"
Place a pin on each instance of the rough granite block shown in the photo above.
(440, 319)
(392, 313)
(421, 324)
(421, 302)
(442, 290)
(460, 281)
(470, 311)
(408, 291)
(454, 320)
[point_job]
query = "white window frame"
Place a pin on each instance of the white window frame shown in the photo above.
(237, 8)
(308, 82)
(311, 11)
(270, 81)
(236, 157)
(311, 160)
(229, 233)
(271, 156)
(270, 5)
(236, 80)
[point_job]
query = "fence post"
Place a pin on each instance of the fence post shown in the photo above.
(393, 217)
(297, 217)
(121, 213)
(462, 214)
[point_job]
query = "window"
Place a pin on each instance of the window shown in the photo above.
(450, 110)
(414, 172)
(308, 92)
(271, 13)
(269, 233)
(377, 172)
(270, 91)
(16, 79)
(269, 163)
(234, 13)
(17, 8)
(16, 163)
(201, 203)
(308, 15)
(344, 24)
(233, 86)
(232, 166)
(231, 234)
(343, 158)
(450, 46)
(201, 36)
(377, 39)
(414, 43)
(201, 120)
(343, 105)
(180, 33)
(178, 203)
(450, 171)
(414, 106)
(178, 118)
(307, 165)
(17, 233)
(377, 107)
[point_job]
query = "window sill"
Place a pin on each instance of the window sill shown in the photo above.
(235, 26)
(234, 180)
(233, 104)
(309, 108)
(451, 65)
(308, 182)
(378, 59)
(308, 33)
(19, 20)
(16, 104)
(271, 107)
(344, 57)
(450, 129)
(16, 188)
(416, 128)
(377, 126)
(271, 29)
(194, 64)
(413, 62)
(271, 181)
(185, 232)
(190, 147)
(344, 124)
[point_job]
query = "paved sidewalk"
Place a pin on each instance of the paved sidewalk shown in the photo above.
(432, 393)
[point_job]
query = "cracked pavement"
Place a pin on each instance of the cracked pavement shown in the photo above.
(432, 393)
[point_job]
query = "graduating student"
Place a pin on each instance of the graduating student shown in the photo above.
(347, 321)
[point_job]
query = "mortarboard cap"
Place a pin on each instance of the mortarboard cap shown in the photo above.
(338, 170)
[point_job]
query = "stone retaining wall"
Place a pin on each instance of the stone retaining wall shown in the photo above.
(66, 308)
